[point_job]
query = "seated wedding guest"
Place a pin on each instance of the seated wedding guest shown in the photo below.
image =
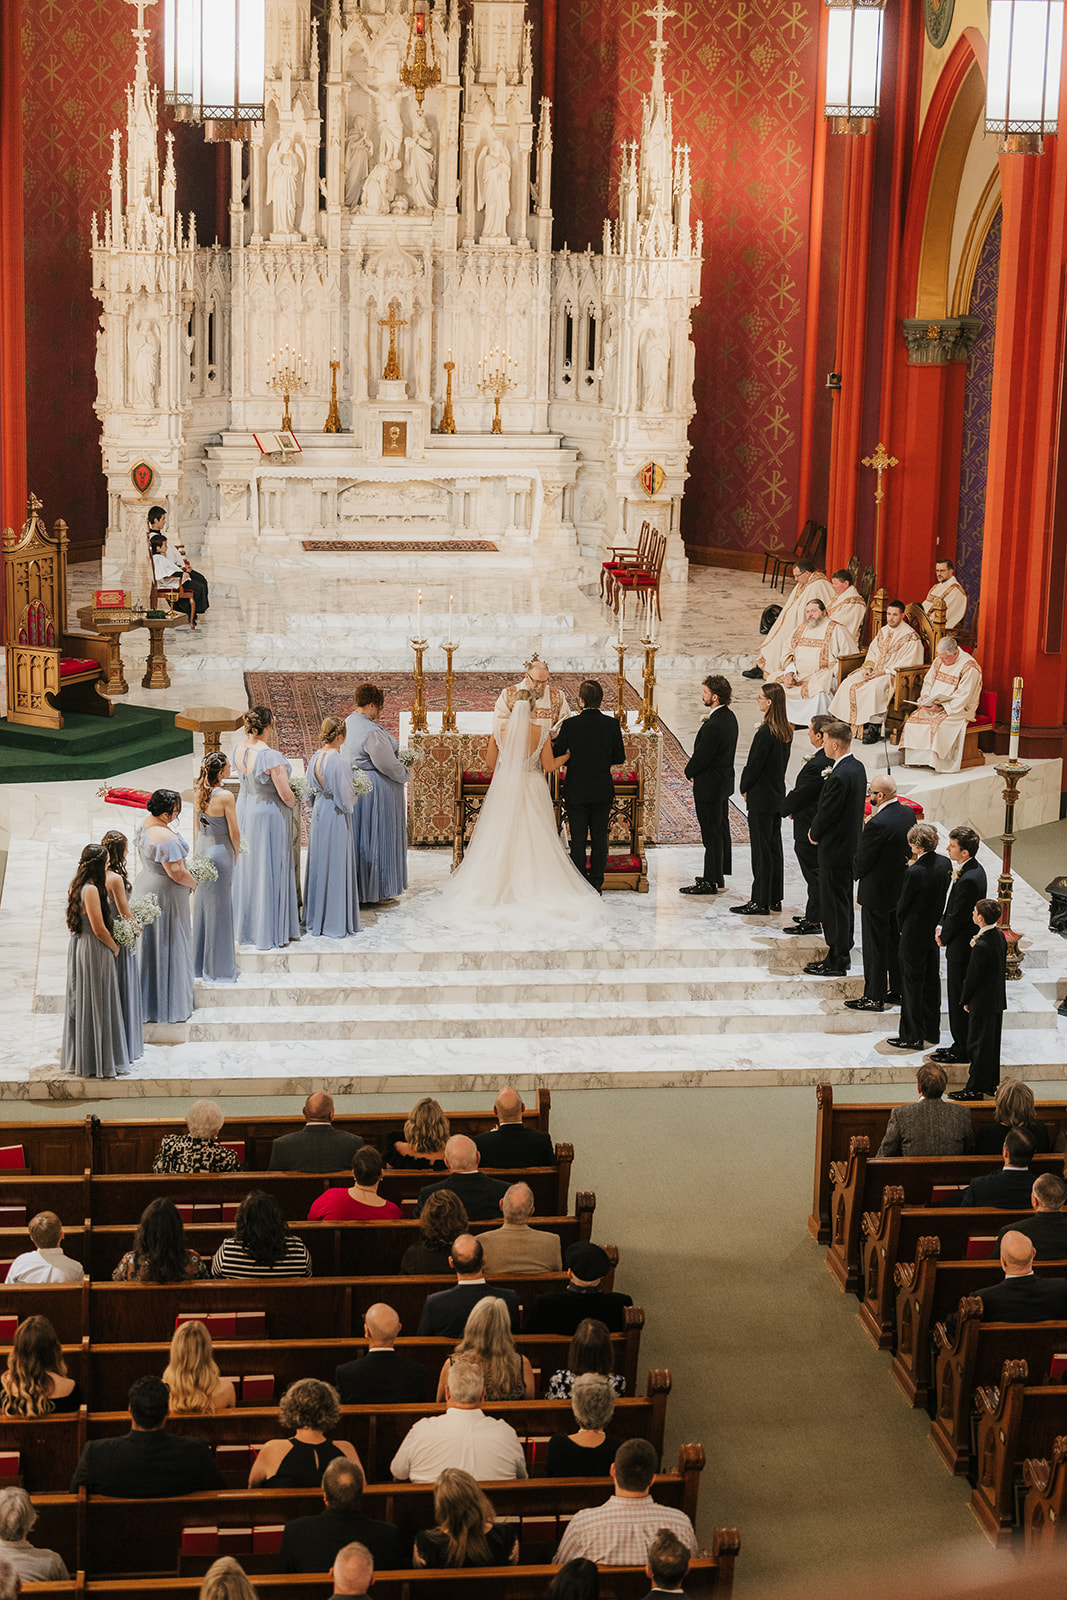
(197, 1387)
(226, 1579)
(668, 1563)
(159, 1253)
(309, 1544)
(423, 1143)
(198, 1150)
(487, 1342)
(46, 1262)
(218, 840)
(381, 822)
(309, 1410)
(94, 1030)
(165, 946)
(511, 1143)
(361, 1202)
(352, 1572)
(1014, 1108)
(931, 1125)
(147, 1463)
(1022, 1296)
(576, 1580)
(515, 1246)
(1047, 1228)
(381, 1377)
(318, 1146)
(589, 1452)
(466, 1532)
(36, 1382)
(331, 894)
(486, 1447)
(560, 1312)
(33, 1564)
(10, 1582)
(261, 1245)
(441, 1221)
(481, 1196)
(445, 1313)
(618, 1533)
(590, 1351)
(1010, 1187)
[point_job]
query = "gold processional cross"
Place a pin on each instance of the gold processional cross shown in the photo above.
(881, 461)
(392, 322)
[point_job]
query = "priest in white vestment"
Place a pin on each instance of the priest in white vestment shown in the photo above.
(949, 589)
(848, 607)
(809, 585)
(934, 733)
(863, 699)
(550, 706)
(810, 671)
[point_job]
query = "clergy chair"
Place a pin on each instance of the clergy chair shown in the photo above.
(640, 580)
(623, 556)
(779, 554)
(48, 669)
(984, 721)
(811, 546)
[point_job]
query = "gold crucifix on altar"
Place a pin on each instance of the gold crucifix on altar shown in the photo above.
(392, 322)
(880, 461)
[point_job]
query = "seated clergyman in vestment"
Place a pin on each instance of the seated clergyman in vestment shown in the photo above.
(809, 585)
(848, 607)
(949, 589)
(934, 733)
(864, 697)
(810, 670)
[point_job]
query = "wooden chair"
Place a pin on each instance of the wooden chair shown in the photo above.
(48, 669)
(639, 580)
(778, 554)
(627, 868)
(624, 556)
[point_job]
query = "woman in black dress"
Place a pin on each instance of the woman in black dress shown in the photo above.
(36, 1383)
(466, 1532)
(588, 1453)
(422, 1145)
(442, 1219)
(309, 1411)
(763, 790)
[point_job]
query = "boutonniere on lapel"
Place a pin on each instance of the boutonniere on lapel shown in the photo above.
(826, 771)
(956, 874)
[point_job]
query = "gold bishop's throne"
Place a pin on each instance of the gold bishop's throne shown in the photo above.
(47, 668)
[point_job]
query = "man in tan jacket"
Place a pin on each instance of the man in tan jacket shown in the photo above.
(515, 1246)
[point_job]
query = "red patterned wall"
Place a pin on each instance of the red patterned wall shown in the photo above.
(742, 74)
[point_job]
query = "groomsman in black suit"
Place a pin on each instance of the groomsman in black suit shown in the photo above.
(710, 769)
(956, 932)
(835, 829)
(880, 862)
(800, 804)
(594, 741)
(985, 1000)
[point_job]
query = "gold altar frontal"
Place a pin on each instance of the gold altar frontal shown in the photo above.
(443, 756)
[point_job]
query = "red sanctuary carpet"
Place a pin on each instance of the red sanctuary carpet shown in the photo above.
(299, 701)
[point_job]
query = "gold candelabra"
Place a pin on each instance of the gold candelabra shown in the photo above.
(333, 416)
(418, 72)
(448, 421)
(448, 719)
(418, 709)
(287, 374)
(647, 714)
(499, 377)
(620, 688)
(1013, 771)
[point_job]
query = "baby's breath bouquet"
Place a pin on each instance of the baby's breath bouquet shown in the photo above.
(145, 909)
(361, 784)
(203, 870)
(124, 933)
(408, 758)
(299, 785)
(243, 848)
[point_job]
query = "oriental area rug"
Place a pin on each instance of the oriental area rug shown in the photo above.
(400, 547)
(299, 701)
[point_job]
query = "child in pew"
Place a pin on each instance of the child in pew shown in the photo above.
(308, 1412)
(46, 1262)
(466, 1532)
(36, 1383)
(196, 1385)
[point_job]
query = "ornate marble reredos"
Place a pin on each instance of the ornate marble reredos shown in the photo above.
(447, 211)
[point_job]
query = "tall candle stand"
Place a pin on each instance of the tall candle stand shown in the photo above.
(620, 688)
(448, 720)
(1013, 771)
(418, 709)
(333, 416)
(647, 714)
(448, 421)
(499, 377)
(287, 374)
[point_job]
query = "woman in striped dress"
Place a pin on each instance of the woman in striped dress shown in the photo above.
(261, 1245)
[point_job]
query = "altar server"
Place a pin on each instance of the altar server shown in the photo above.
(949, 589)
(175, 565)
(331, 893)
(809, 585)
(848, 607)
(934, 733)
(380, 823)
(809, 672)
(863, 699)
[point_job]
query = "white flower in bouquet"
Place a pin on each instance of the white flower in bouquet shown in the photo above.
(203, 870)
(145, 909)
(242, 849)
(124, 933)
(299, 785)
(408, 758)
(361, 784)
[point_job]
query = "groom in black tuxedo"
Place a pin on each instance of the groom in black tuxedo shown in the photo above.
(595, 745)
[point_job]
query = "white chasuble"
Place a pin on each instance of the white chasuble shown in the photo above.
(865, 694)
(552, 708)
(934, 733)
(954, 595)
(812, 659)
(849, 609)
(775, 646)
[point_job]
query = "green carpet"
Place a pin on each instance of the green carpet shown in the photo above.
(90, 747)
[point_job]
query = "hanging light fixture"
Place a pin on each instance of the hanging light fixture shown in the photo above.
(215, 62)
(1023, 85)
(854, 63)
(418, 73)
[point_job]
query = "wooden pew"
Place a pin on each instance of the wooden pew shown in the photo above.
(46, 1447)
(893, 1233)
(1015, 1422)
(67, 1194)
(1045, 1507)
(837, 1125)
(66, 1305)
(975, 1357)
(50, 1148)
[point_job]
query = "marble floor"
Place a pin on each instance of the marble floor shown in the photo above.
(676, 991)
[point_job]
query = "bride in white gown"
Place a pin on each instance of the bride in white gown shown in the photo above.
(515, 870)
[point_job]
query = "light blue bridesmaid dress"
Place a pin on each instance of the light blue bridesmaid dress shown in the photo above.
(331, 893)
(214, 953)
(94, 1034)
(166, 945)
(264, 881)
(129, 977)
(381, 823)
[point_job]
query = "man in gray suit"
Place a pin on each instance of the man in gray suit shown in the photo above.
(318, 1146)
(930, 1126)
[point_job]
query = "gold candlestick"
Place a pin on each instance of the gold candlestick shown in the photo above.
(620, 688)
(1013, 772)
(448, 421)
(333, 416)
(448, 720)
(499, 377)
(287, 374)
(647, 715)
(418, 709)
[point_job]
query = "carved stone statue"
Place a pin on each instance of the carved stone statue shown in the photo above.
(609, 374)
(390, 123)
(655, 360)
(285, 163)
(358, 154)
(493, 173)
(418, 166)
(144, 361)
(380, 188)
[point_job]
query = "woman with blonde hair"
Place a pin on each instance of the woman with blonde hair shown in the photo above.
(1014, 1108)
(197, 1387)
(487, 1341)
(426, 1133)
(36, 1383)
(331, 893)
(762, 788)
(309, 1410)
(226, 1579)
(466, 1532)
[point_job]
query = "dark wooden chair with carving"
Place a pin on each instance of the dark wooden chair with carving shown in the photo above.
(624, 556)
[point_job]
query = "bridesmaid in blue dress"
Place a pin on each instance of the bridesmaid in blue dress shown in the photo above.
(381, 823)
(331, 893)
(94, 1035)
(167, 943)
(218, 839)
(264, 886)
(126, 968)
